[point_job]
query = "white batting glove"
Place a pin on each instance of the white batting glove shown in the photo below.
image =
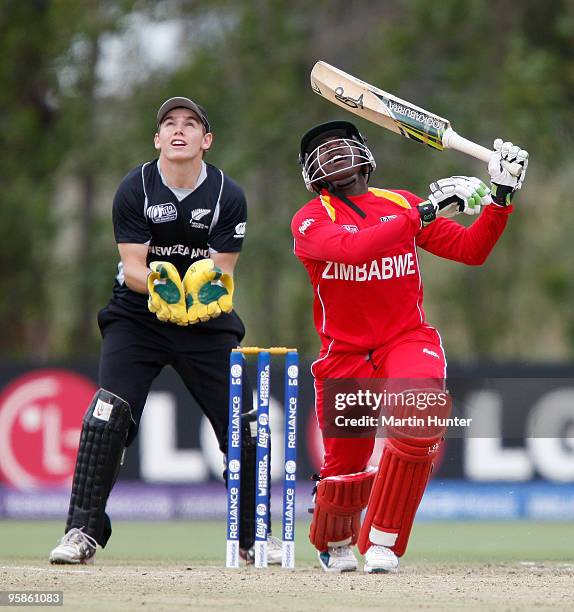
(504, 183)
(459, 194)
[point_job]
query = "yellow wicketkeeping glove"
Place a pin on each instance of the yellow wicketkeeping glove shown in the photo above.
(208, 292)
(166, 295)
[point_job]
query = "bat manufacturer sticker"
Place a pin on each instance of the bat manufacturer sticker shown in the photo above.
(415, 123)
(415, 115)
(348, 100)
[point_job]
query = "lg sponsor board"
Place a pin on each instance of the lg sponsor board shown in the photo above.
(522, 431)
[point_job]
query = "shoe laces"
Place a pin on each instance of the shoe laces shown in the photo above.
(380, 551)
(77, 536)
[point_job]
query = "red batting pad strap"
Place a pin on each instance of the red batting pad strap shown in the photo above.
(338, 505)
(402, 477)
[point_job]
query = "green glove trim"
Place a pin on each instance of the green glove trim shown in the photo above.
(482, 190)
(207, 294)
(211, 293)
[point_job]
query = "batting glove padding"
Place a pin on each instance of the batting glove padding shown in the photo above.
(458, 194)
(208, 292)
(166, 296)
(504, 183)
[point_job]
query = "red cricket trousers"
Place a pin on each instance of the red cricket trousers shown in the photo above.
(416, 354)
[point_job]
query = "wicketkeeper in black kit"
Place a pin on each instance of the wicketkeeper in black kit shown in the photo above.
(179, 223)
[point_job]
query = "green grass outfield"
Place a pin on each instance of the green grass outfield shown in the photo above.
(203, 542)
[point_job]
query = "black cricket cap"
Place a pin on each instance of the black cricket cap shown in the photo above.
(180, 102)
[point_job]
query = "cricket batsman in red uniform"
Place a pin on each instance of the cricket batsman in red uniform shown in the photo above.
(359, 247)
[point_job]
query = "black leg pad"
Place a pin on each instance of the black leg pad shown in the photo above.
(104, 432)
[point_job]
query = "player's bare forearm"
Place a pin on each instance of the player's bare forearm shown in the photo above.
(225, 261)
(136, 279)
(469, 245)
(134, 264)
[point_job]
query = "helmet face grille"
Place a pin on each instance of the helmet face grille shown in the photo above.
(352, 149)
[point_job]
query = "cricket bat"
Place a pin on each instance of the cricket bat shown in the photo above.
(394, 114)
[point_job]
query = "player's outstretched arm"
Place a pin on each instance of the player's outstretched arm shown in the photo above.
(472, 245)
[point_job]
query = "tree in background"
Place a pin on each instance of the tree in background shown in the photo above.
(69, 140)
(49, 123)
(32, 150)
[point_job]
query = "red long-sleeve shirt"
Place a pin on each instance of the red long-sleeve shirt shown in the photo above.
(365, 271)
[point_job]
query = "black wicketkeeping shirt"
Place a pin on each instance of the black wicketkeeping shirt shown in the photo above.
(212, 218)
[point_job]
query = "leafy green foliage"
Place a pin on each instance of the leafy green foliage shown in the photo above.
(67, 141)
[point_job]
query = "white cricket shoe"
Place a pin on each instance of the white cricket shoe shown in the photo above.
(337, 559)
(380, 560)
(274, 552)
(75, 547)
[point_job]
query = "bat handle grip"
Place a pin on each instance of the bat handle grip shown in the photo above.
(451, 140)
